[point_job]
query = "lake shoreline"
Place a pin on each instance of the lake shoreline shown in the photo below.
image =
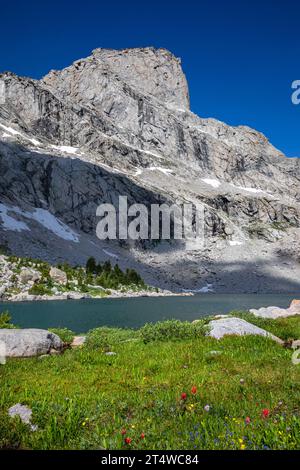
(79, 296)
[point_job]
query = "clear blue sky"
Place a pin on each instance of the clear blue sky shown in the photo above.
(240, 57)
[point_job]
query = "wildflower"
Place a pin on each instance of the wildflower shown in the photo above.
(194, 390)
(265, 412)
(242, 447)
(123, 432)
(142, 436)
(183, 396)
(247, 420)
(190, 407)
(207, 408)
(128, 440)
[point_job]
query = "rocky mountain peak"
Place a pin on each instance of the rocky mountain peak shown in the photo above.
(118, 123)
(156, 72)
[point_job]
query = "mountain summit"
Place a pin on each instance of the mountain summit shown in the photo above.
(119, 123)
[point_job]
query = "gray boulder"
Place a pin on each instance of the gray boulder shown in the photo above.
(29, 342)
(237, 326)
(58, 275)
(78, 341)
(27, 275)
(277, 312)
(24, 413)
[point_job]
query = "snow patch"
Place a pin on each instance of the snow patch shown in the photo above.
(109, 253)
(166, 171)
(33, 141)
(202, 290)
(42, 216)
(235, 242)
(12, 131)
(212, 182)
(150, 153)
(9, 223)
(251, 190)
(158, 168)
(50, 222)
(65, 148)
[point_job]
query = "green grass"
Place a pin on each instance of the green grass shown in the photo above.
(285, 328)
(83, 399)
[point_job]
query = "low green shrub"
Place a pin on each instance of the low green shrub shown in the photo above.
(104, 338)
(172, 330)
(5, 320)
(65, 334)
(39, 289)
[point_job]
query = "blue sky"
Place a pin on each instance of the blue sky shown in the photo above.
(240, 57)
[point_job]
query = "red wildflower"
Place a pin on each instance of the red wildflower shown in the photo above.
(183, 396)
(123, 432)
(142, 436)
(194, 390)
(128, 440)
(247, 420)
(265, 412)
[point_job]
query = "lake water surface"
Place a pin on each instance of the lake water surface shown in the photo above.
(83, 315)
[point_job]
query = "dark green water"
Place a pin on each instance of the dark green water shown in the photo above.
(82, 315)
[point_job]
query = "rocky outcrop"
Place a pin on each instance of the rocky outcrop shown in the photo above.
(276, 312)
(27, 275)
(236, 326)
(118, 123)
(78, 341)
(29, 342)
(58, 275)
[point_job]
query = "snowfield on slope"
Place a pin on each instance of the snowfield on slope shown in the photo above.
(42, 216)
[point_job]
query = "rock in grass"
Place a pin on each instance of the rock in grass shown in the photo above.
(110, 353)
(28, 274)
(214, 353)
(277, 312)
(58, 275)
(29, 342)
(24, 413)
(237, 326)
(78, 341)
(296, 344)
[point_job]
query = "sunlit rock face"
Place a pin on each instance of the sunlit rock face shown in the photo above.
(118, 123)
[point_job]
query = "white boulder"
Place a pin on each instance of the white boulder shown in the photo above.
(237, 326)
(29, 342)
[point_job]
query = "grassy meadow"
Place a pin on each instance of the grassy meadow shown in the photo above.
(167, 387)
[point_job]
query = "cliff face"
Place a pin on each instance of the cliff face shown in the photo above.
(118, 123)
